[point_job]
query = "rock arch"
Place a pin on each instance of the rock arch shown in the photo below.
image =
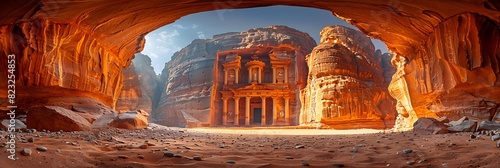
(83, 45)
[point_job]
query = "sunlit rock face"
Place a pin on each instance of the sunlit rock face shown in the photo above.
(455, 74)
(50, 54)
(346, 87)
(139, 84)
(186, 81)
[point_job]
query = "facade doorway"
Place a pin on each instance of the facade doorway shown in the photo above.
(257, 115)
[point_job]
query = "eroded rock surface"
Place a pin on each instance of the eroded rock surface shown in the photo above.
(346, 82)
(139, 84)
(186, 81)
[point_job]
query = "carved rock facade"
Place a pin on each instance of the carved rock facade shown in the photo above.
(187, 81)
(346, 87)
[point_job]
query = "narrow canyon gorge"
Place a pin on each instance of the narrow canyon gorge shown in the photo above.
(75, 58)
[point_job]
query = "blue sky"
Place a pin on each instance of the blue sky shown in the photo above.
(162, 43)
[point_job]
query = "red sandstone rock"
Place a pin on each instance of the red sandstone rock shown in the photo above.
(345, 82)
(456, 75)
(54, 118)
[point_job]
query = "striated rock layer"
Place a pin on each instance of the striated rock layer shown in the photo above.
(83, 46)
(346, 87)
(186, 81)
(139, 84)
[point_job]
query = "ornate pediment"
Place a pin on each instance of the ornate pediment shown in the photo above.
(234, 63)
(279, 60)
(256, 63)
(254, 86)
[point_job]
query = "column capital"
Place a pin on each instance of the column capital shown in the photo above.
(263, 97)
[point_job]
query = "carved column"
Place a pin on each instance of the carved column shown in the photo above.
(225, 76)
(236, 111)
(237, 76)
(287, 110)
(286, 74)
(247, 111)
(263, 120)
(274, 75)
(259, 75)
(224, 111)
(275, 114)
(249, 75)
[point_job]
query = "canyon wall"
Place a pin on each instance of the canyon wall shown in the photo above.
(346, 87)
(186, 81)
(139, 86)
(50, 54)
(456, 73)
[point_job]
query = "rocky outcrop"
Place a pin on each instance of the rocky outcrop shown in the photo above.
(54, 118)
(139, 84)
(188, 77)
(455, 74)
(345, 82)
(82, 46)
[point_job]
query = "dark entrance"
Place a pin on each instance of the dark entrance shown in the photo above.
(257, 115)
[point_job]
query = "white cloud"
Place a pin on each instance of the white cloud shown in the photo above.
(180, 26)
(193, 26)
(201, 35)
(153, 55)
(167, 36)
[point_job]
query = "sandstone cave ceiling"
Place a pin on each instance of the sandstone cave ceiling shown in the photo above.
(121, 25)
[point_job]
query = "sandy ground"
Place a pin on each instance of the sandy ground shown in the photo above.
(250, 148)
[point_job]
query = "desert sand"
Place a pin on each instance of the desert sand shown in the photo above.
(250, 147)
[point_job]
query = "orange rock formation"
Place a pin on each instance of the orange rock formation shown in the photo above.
(345, 87)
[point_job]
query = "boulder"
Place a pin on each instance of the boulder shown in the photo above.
(457, 122)
(429, 125)
(18, 124)
(443, 119)
(104, 120)
(465, 126)
(488, 125)
(55, 118)
(130, 120)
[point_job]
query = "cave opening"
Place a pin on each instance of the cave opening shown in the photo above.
(182, 95)
(435, 66)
